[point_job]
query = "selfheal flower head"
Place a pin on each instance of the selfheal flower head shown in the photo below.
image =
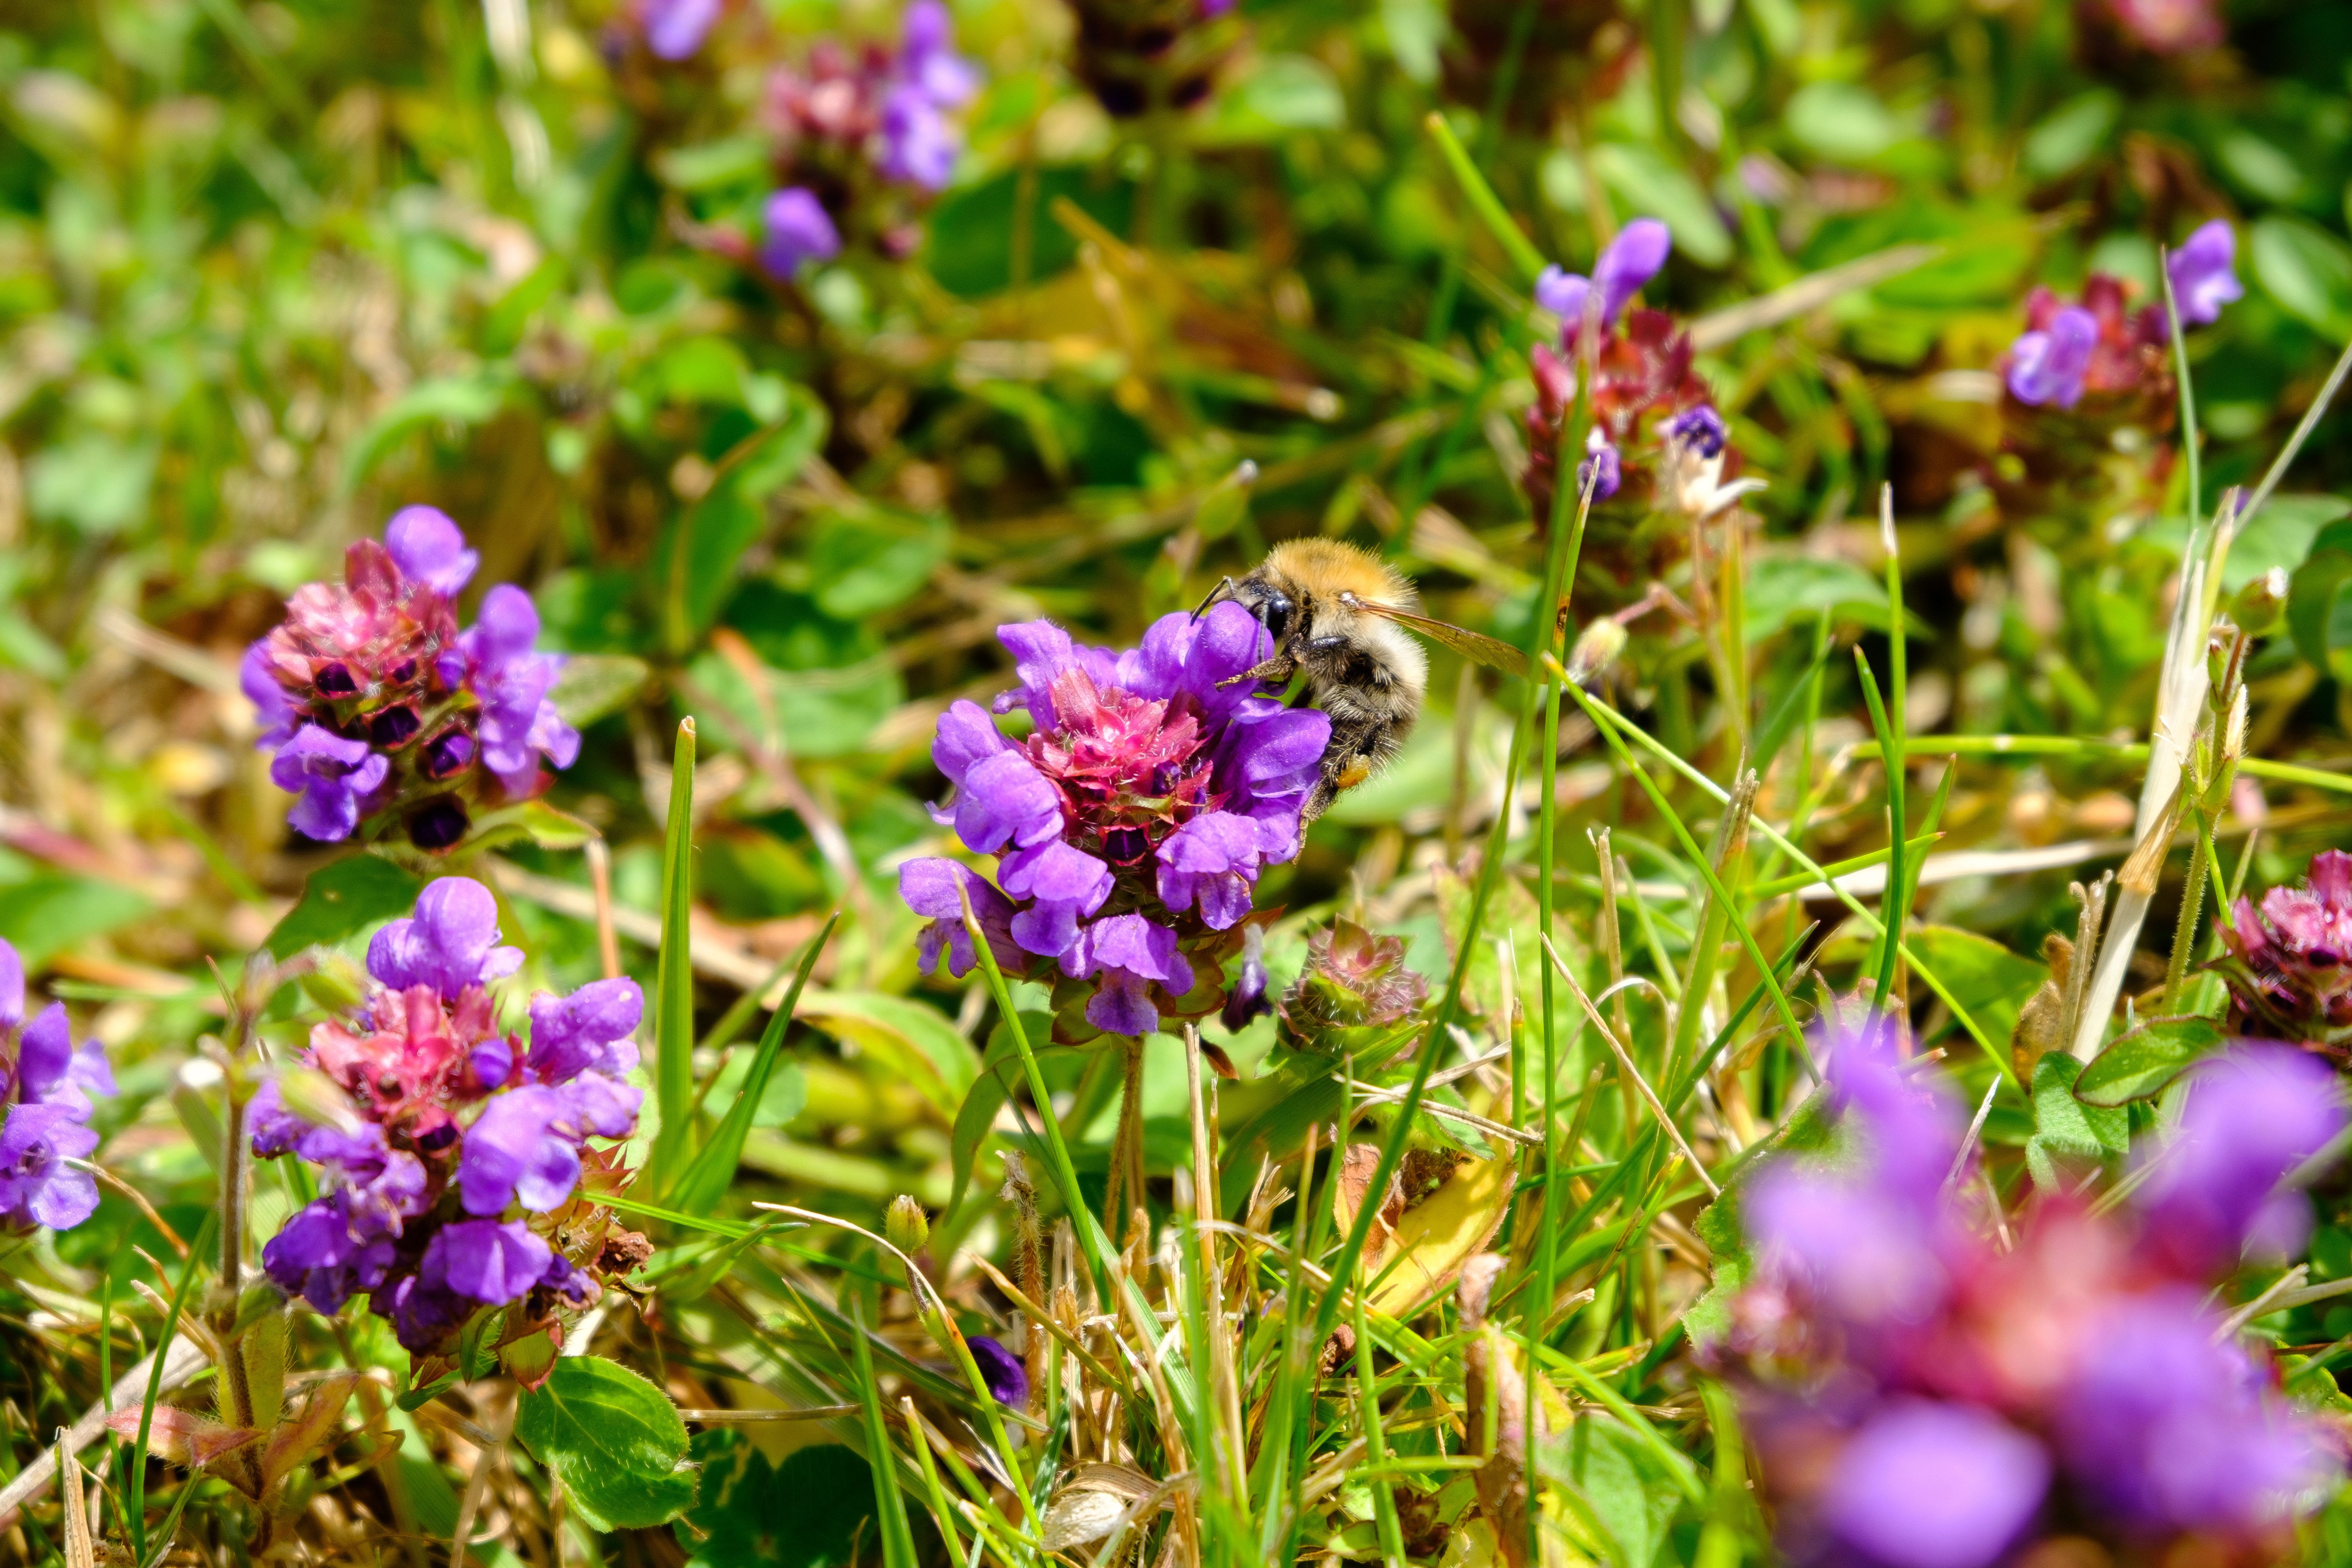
(375, 703)
(1352, 979)
(428, 1124)
(45, 1085)
(2289, 964)
(1628, 262)
(1147, 780)
(796, 228)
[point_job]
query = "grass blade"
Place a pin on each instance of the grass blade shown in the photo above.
(673, 984)
(890, 1506)
(704, 1180)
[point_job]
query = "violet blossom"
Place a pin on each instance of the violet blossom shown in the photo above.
(445, 1135)
(1925, 1395)
(2203, 275)
(797, 231)
(675, 29)
(1628, 262)
(1131, 826)
(1006, 1378)
(45, 1084)
(2047, 367)
(379, 707)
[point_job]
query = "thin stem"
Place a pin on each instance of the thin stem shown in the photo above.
(2192, 902)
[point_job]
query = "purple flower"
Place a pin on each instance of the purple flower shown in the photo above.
(1249, 997)
(2169, 1427)
(2048, 367)
(449, 943)
(1602, 468)
(929, 886)
(1148, 780)
(1863, 1254)
(428, 548)
(999, 1369)
(272, 709)
(326, 1252)
(2203, 274)
(1128, 952)
(675, 28)
(50, 1070)
(918, 145)
(492, 1262)
(1931, 1485)
(37, 1185)
(517, 1149)
(926, 55)
(2252, 1115)
(1700, 428)
(334, 776)
(586, 1031)
(1211, 860)
(494, 657)
(1631, 259)
(796, 229)
(2290, 965)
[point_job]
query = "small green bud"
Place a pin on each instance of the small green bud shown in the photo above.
(334, 981)
(906, 1226)
(1597, 647)
(2259, 607)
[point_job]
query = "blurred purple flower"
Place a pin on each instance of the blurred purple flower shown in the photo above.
(2203, 273)
(1603, 467)
(45, 1084)
(2168, 1424)
(2048, 367)
(1865, 1254)
(1932, 1485)
(796, 229)
(675, 28)
(333, 776)
(1001, 1370)
(2253, 1115)
(927, 56)
(1700, 428)
(1628, 262)
(918, 145)
(428, 548)
(587, 1031)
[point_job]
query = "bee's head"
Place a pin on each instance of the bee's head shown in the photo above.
(1265, 598)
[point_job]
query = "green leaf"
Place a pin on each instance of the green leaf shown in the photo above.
(779, 458)
(95, 483)
(614, 1439)
(1284, 94)
(470, 398)
(2318, 607)
(874, 559)
(2307, 269)
(810, 1511)
(341, 898)
(700, 552)
(2070, 133)
(2141, 1063)
(1631, 1494)
(1984, 978)
(969, 248)
(1648, 182)
(2069, 1137)
(709, 165)
(1785, 589)
(897, 1540)
(50, 911)
(596, 684)
(674, 981)
(1840, 120)
(705, 1180)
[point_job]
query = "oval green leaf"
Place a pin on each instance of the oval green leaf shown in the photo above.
(615, 1441)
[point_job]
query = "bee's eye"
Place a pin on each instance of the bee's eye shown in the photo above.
(1274, 611)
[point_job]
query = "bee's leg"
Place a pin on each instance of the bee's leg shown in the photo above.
(1279, 666)
(1224, 590)
(1355, 750)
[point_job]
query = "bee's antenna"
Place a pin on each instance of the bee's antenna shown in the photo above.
(1224, 590)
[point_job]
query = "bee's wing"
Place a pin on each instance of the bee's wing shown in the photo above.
(1477, 646)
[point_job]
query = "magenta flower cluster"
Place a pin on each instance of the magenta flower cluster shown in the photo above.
(446, 1135)
(2098, 345)
(46, 1083)
(1131, 824)
(378, 706)
(891, 110)
(1925, 1396)
(2289, 963)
